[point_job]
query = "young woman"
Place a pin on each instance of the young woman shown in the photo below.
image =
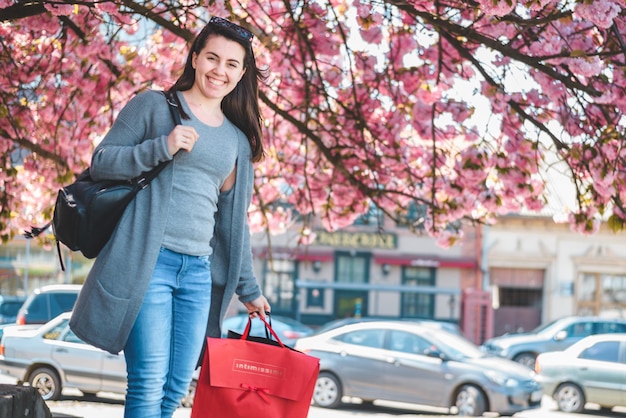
(182, 248)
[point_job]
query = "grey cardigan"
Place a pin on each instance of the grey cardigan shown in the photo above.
(114, 289)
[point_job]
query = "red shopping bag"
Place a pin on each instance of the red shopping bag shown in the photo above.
(240, 378)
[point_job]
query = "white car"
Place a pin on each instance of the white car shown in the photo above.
(592, 370)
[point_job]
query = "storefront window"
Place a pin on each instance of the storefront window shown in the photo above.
(279, 285)
(614, 289)
(354, 269)
(588, 288)
(601, 294)
(414, 304)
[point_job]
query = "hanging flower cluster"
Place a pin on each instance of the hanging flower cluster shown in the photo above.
(465, 110)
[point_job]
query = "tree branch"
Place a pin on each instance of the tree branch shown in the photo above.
(21, 10)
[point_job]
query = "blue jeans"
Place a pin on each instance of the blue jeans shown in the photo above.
(164, 345)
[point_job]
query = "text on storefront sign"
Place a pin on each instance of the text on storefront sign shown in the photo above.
(356, 239)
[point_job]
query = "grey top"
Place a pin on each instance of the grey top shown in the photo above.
(115, 286)
(197, 179)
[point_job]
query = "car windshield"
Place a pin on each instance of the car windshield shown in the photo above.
(333, 324)
(457, 347)
(544, 328)
(291, 323)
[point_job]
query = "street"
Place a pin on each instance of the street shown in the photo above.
(111, 407)
(74, 405)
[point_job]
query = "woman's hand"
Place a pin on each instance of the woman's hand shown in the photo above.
(258, 307)
(181, 137)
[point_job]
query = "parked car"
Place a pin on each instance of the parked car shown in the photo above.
(9, 306)
(409, 362)
(553, 336)
(47, 302)
(435, 323)
(592, 370)
(287, 329)
(51, 357)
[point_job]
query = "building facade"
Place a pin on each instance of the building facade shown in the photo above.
(366, 271)
(511, 276)
(539, 271)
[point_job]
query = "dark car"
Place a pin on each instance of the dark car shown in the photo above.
(288, 329)
(48, 302)
(9, 306)
(402, 361)
(553, 336)
(592, 370)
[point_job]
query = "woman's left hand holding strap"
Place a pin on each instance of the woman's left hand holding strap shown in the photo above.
(258, 307)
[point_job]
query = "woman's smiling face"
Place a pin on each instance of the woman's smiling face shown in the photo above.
(219, 66)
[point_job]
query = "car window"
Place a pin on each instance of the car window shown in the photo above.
(579, 330)
(602, 351)
(37, 308)
(366, 337)
(70, 337)
(407, 343)
(609, 327)
(55, 333)
(10, 308)
(62, 302)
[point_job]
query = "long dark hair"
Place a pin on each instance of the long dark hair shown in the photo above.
(241, 106)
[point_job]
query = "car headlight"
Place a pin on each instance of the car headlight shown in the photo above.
(501, 379)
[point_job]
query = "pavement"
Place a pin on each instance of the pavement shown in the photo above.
(83, 409)
(109, 405)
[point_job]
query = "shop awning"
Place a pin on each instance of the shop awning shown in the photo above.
(421, 260)
(302, 254)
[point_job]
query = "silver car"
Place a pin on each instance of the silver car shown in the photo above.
(412, 363)
(50, 357)
(592, 370)
(553, 336)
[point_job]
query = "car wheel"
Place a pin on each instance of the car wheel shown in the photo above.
(47, 382)
(328, 391)
(187, 401)
(470, 401)
(569, 398)
(527, 359)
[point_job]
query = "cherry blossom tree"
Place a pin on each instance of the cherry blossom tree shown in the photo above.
(456, 110)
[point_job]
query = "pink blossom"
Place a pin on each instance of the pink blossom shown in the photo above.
(537, 5)
(600, 12)
(372, 35)
(500, 8)
(587, 67)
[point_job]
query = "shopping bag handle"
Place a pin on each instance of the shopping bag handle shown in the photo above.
(267, 327)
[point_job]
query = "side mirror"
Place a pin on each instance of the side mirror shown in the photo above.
(434, 352)
(560, 336)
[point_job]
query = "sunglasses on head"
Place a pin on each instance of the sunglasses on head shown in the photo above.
(243, 32)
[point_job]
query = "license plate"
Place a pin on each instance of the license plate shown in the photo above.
(536, 396)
